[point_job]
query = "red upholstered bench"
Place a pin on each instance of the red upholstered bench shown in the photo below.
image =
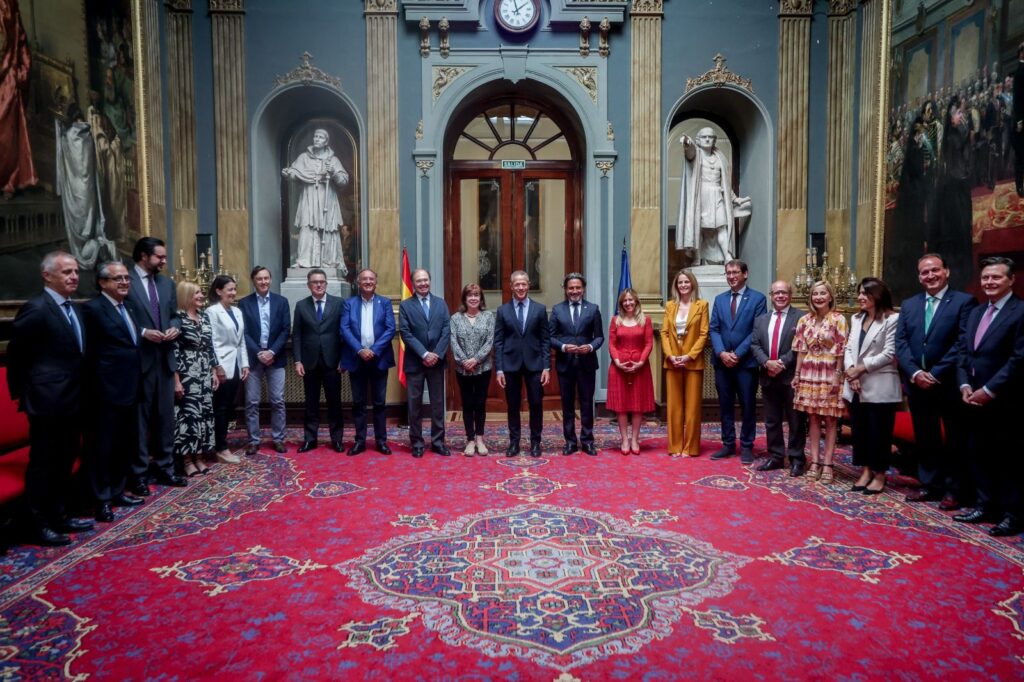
(903, 432)
(13, 445)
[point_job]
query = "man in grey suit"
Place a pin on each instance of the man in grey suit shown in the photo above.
(772, 348)
(153, 304)
(424, 326)
(316, 347)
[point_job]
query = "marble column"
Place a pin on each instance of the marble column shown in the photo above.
(232, 147)
(182, 115)
(149, 103)
(842, 55)
(794, 79)
(646, 233)
(382, 143)
(871, 119)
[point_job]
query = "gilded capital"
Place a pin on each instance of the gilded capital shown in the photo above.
(227, 6)
(840, 8)
(795, 8)
(647, 7)
(381, 6)
(178, 5)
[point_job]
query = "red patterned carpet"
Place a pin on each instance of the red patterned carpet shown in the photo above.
(321, 566)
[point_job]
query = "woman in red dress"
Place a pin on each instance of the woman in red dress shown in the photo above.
(630, 386)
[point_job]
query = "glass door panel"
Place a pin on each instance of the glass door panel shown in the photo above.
(480, 228)
(543, 237)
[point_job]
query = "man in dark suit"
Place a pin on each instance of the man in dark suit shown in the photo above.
(576, 332)
(266, 317)
(113, 380)
(367, 328)
(522, 355)
(316, 346)
(991, 378)
(153, 304)
(424, 325)
(44, 373)
(731, 328)
(772, 348)
(929, 326)
(1017, 122)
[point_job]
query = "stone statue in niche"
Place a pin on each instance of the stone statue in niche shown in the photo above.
(318, 215)
(708, 209)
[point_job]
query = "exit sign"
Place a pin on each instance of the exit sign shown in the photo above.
(516, 164)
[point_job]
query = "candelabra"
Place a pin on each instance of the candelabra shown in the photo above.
(844, 281)
(204, 272)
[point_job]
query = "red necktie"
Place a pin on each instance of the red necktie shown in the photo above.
(775, 336)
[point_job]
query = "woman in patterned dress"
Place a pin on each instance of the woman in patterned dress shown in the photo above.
(194, 381)
(472, 336)
(819, 342)
(630, 387)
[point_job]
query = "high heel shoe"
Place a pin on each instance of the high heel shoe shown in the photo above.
(635, 448)
(858, 488)
(827, 474)
(870, 491)
(813, 471)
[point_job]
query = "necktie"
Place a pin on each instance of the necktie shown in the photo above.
(231, 314)
(521, 316)
(154, 303)
(929, 310)
(575, 315)
(775, 336)
(320, 311)
(735, 296)
(74, 324)
(426, 308)
(986, 320)
(128, 323)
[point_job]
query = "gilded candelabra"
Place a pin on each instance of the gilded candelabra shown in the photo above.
(844, 281)
(204, 272)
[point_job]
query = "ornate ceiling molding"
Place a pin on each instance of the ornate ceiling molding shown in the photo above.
(381, 6)
(306, 73)
(718, 77)
(586, 76)
(444, 76)
(795, 8)
(227, 6)
(840, 8)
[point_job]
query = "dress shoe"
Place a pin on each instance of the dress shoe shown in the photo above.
(857, 488)
(48, 537)
(125, 500)
(252, 448)
(975, 516)
(590, 449)
(104, 513)
(570, 448)
(534, 449)
(1005, 528)
(441, 450)
(225, 456)
(382, 447)
(797, 467)
(280, 447)
(724, 451)
(338, 447)
(923, 495)
(949, 503)
(771, 464)
(172, 480)
(307, 446)
(513, 450)
(417, 451)
(138, 487)
(70, 525)
(746, 456)
(357, 447)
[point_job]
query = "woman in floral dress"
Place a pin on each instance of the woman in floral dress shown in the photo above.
(194, 381)
(819, 342)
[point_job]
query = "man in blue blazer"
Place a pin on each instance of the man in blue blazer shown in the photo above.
(991, 378)
(732, 328)
(425, 329)
(367, 328)
(267, 320)
(576, 332)
(522, 354)
(929, 326)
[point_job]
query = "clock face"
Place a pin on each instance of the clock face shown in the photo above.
(517, 15)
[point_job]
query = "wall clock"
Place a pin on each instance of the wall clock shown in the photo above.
(517, 16)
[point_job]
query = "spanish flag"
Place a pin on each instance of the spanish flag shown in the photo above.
(406, 293)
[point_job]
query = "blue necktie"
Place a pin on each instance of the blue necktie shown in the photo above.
(128, 323)
(426, 308)
(74, 325)
(520, 314)
(320, 311)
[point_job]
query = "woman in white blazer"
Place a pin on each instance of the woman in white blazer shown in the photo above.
(872, 383)
(229, 346)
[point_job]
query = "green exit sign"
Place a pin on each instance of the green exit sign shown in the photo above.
(516, 164)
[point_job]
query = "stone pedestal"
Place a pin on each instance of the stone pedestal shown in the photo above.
(294, 286)
(711, 279)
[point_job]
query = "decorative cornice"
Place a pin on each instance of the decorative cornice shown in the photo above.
(227, 6)
(306, 73)
(443, 77)
(840, 8)
(718, 77)
(604, 166)
(178, 5)
(424, 165)
(381, 6)
(648, 7)
(586, 76)
(795, 8)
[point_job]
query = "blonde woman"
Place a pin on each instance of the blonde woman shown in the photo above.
(819, 341)
(684, 334)
(630, 385)
(194, 381)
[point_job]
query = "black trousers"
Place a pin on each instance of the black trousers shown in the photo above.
(224, 400)
(367, 379)
(872, 424)
(434, 378)
(535, 399)
(330, 380)
(779, 410)
(570, 384)
(156, 424)
(473, 389)
(111, 441)
(942, 467)
(54, 446)
(995, 459)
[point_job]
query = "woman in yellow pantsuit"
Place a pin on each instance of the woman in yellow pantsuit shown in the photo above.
(684, 333)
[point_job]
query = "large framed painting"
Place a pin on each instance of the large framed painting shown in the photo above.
(69, 136)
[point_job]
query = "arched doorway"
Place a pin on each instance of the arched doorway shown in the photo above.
(513, 201)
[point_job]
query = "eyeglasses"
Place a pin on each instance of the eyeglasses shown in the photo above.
(780, 293)
(119, 278)
(317, 282)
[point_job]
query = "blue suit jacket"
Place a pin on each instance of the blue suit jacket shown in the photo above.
(383, 332)
(280, 327)
(590, 330)
(736, 335)
(937, 350)
(998, 362)
(516, 350)
(421, 335)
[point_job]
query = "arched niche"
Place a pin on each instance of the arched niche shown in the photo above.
(744, 119)
(282, 120)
